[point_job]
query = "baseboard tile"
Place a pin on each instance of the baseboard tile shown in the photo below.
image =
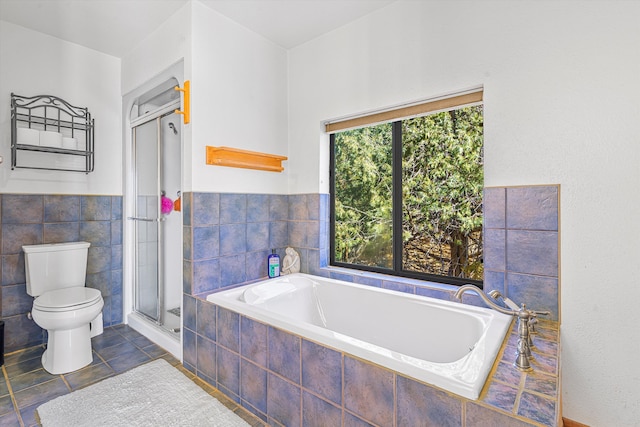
(570, 423)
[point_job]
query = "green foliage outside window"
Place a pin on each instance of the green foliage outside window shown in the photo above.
(363, 188)
(441, 201)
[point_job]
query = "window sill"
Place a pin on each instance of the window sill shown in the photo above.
(402, 284)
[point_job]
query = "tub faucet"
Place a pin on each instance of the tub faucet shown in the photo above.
(497, 295)
(524, 315)
(462, 289)
(512, 305)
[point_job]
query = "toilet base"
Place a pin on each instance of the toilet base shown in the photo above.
(67, 350)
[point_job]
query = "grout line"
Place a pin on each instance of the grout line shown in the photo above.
(463, 413)
(394, 420)
(64, 380)
(516, 403)
(13, 398)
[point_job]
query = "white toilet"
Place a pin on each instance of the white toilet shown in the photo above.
(70, 312)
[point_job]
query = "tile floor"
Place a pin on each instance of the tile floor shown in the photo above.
(25, 385)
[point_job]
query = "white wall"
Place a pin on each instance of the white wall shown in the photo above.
(36, 64)
(239, 100)
(167, 45)
(238, 94)
(167, 49)
(561, 83)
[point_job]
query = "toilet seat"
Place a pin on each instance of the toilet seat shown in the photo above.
(67, 299)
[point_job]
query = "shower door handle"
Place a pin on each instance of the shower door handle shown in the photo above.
(135, 218)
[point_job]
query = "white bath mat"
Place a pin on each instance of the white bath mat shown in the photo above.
(154, 394)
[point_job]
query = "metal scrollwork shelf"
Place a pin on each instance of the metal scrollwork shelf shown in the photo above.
(51, 134)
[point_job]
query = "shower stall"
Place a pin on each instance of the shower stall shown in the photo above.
(153, 226)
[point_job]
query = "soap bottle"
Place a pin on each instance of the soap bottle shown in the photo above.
(273, 263)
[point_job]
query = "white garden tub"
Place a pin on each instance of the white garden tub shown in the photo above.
(446, 344)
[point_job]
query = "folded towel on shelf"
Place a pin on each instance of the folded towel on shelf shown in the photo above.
(50, 139)
(69, 143)
(28, 136)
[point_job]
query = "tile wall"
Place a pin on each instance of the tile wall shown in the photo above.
(276, 374)
(521, 243)
(228, 237)
(35, 219)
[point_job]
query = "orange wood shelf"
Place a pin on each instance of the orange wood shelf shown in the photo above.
(236, 158)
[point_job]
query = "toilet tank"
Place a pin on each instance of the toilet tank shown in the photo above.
(55, 266)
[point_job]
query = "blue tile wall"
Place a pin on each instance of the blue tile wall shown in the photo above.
(227, 237)
(27, 219)
(233, 208)
(521, 226)
(285, 379)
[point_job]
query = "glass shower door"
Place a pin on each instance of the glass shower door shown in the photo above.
(149, 278)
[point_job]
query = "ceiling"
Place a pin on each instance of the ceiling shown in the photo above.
(114, 27)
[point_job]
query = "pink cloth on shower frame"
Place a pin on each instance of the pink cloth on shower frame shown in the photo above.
(166, 205)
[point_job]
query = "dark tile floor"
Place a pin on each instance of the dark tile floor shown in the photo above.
(25, 385)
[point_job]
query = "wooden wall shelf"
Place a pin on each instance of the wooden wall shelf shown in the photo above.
(236, 158)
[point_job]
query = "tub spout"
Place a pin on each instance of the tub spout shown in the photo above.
(509, 303)
(462, 289)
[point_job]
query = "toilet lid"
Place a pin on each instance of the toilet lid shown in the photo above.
(67, 299)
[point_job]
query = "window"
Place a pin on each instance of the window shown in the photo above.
(406, 195)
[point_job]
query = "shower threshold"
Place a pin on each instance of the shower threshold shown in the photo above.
(170, 341)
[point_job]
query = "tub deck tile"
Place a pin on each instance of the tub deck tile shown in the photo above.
(322, 371)
(506, 373)
(253, 385)
(501, 396)
(206, 357)
(369, 391)
(317, 412)
(351, 420)
(480, 416)
(228, 329)
(419, 404)
(538, 408)
(542, 383)
(284, 401)
(253, 341)
(206, 316)
(228, 369)
(284, 354)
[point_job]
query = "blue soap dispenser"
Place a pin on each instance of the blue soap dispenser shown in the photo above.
(273, 263)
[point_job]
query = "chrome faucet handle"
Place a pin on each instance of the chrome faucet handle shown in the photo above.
(533, 322)
(542, 313)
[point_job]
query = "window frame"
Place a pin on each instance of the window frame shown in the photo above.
(397, 218)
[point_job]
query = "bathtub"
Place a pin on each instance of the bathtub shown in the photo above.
(445, 344)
